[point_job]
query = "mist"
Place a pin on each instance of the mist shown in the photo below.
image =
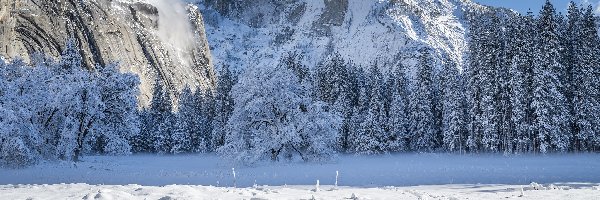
(174, 28)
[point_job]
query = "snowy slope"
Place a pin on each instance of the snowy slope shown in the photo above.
(258, 33)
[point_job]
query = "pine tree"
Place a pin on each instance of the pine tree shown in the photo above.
(70, 57)
(453, 126)
(490, 115)
(585, 83)
(421, 118)
(521, 73)
(474, 73)
(439, 91)
(161, 120)
(183, 130)
(571, 44)
(551, 114)
(372, 139)
(357, 122)
(224, 104)
(331, 79)
(398, 137)
(205, 105)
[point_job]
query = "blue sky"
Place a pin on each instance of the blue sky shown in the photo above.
(536, 5)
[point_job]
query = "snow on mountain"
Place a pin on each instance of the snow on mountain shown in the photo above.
(243, 34)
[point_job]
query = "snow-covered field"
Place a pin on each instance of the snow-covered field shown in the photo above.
(169, 192)
(404, 176)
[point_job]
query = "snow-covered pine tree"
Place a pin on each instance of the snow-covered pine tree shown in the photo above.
(586, 95)
(343, 106)
(489, 118)
(438, 107)
(421, 113)
(70, 58)
(223, 107)
(473, 72)
(398, 136)
(183, 129)
(570, 37)
(161, 119)
(503, 105)
(521, 73)
(142, 142)
(359, 112)
(371, 141)
(331, 79)
(453, 126)
(204, 104)
(551, 114)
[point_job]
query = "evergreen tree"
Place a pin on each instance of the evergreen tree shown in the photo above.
(421, 117)
(490, 115)
(161, 119)
(224, 104)
(453, 127)
(571, 61)
(359, 113)
(585, 76)
(398, 137)
(551, 114)
(521, 74)
(372, 139)
(474, 73)
(183, 129)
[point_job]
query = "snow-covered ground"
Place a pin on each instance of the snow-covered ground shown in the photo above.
(404, 176)
(169, 192)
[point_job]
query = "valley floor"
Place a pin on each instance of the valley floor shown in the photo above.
(402, 176)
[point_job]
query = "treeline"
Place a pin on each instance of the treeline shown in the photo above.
(533, 82)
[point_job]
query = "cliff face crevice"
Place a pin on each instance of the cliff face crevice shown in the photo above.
(160, 40)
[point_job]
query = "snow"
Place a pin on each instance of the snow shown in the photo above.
(371, 31)
(476, 191)
(402, 176)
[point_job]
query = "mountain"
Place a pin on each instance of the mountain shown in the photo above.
(160, 40)
(246, 33)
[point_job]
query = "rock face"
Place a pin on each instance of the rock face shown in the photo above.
(366, 32)
(163, 41)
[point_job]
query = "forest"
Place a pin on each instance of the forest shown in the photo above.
(530, 86)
